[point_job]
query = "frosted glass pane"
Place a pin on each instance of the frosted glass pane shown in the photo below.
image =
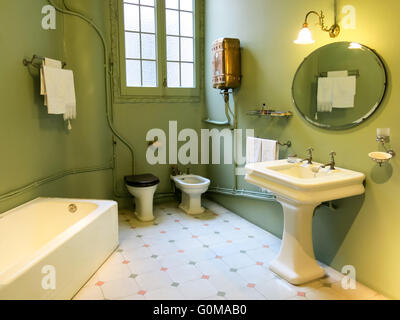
(187, 5)
(172, 22)
(173, 74)
(148, 46)
(132, 45)
(187, 24)
(131, 17)
(187, 49)
(147, 18)
(172, 4)
(149, 73)
(133, 73)
(187, 75)
(173, 48)
(147, 2)
(132, 1)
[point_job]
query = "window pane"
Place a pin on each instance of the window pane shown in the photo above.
(173, 74)
(186, 5)
(132, 1)
(149, 74)
(173, 48)
(148, 46)
(172, 22)
(187, 49)
(133, 71)
(131, 16)
(132, 45)
(147, 18)
(172, 4)
(187, 75)
(147, 2)
(187, 24)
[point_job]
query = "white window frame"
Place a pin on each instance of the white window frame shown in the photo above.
(161, 91)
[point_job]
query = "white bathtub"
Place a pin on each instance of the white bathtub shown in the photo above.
(48, 252)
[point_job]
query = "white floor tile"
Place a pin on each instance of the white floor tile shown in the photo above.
(163, 249)
(118, 289)
(256, 274)
(198, 289)
(144, 266)
(212, 267)
(153, 280)
(188, 244)
(200, 254)
(174, 260)
(184, 273)
(167, 293)
(109, 272)
(239, 260)
(276, 289)
(264, 255)
(227, 281)
(139, 253)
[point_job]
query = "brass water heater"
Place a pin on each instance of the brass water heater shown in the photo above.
(226, 64)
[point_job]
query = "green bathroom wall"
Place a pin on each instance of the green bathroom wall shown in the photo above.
(363, 231)
(33, 144)
(36, 145)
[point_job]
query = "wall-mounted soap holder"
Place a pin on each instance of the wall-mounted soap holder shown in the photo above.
(383, 138)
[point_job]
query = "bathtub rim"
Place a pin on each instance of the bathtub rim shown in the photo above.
(9, 275)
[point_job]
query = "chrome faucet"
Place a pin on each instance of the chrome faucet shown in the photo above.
(332, 163)
(310, 156)
(175, 171)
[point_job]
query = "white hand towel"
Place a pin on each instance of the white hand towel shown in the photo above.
(60, 91)
(270, 150)
(344, 92)
(338, 74)
(325, 95)
(49, 63)
(253, 150)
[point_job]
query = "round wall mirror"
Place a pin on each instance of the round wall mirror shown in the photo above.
(340, 85)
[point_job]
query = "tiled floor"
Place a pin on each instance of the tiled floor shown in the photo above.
(214, 256)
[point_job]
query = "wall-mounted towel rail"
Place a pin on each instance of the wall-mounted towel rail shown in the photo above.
(286, 144)
(350, 73)
(34, 62)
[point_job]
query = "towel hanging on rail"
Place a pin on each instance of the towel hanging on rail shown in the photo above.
(60, 90)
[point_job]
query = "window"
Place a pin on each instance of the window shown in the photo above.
(180, 43)
(159, 47)
(140, 43)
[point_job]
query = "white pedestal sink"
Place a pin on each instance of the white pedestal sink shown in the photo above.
(300, 191)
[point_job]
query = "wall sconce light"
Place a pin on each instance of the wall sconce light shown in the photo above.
(305, 35)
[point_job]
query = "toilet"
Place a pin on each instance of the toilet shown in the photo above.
(143, 188)
(192, 188)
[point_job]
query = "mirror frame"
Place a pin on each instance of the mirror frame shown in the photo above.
(367, 115)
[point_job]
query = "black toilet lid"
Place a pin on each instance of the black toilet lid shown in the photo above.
(142, 181)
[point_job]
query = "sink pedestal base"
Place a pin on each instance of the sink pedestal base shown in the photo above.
(296, 262)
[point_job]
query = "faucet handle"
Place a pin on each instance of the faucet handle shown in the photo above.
(310, 151)
(332, 154)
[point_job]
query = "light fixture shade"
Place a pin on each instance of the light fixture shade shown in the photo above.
(305, 37)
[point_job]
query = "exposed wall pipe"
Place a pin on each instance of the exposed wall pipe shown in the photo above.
(243, 194)
(108, 82)
(52, 178)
